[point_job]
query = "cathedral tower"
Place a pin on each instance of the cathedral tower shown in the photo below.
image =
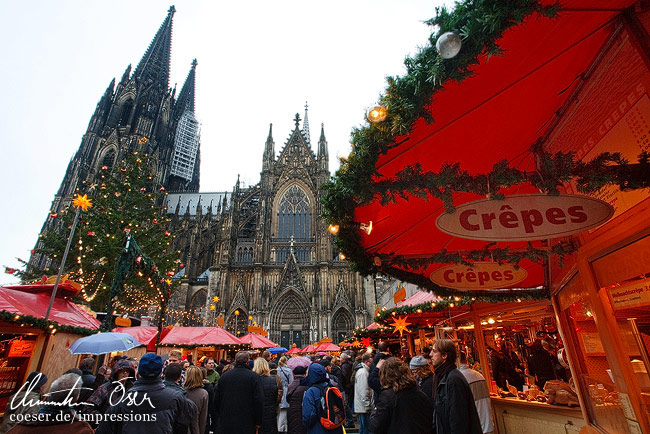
(139, 113)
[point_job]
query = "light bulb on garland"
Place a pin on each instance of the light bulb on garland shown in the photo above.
(448, 45)
(377, 113)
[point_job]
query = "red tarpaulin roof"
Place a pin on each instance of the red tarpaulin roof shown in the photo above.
(417, 298)
(372, 326)
(309, 349)
(499, 113)
(294, 351)
(199, 336)
(327, 346)
(257, 341)
(15, 299)
(146, 335)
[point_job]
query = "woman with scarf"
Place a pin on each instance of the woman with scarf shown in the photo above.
(401, 407)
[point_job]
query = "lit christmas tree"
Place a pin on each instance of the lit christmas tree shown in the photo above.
(126, 200)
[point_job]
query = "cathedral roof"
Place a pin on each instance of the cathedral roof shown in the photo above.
(155, 62)
(183, 200)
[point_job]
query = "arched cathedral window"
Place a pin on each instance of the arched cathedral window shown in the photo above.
(109, 159)
(126, 112)
(294, 216)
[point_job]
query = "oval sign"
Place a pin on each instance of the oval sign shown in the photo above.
(525, 217)
(483, 275)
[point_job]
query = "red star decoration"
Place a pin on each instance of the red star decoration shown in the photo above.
(365, 342)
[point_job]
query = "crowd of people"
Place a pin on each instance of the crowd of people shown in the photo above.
(376, 391)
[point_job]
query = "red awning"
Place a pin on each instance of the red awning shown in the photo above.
(328, 346)
(294, 351)
(146, 335)
(199, 336)
(15, 300)
(309, 349)
(257, 341)
(499, 113)
(418, 298)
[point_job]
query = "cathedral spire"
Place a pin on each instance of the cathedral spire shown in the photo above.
(305, 127)
(186, 97)
(154, 65)
(323, 154)
(269, 148)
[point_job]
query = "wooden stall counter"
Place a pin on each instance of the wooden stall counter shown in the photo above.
(514, 416)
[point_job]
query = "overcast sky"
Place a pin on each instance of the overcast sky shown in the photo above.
(258, 62)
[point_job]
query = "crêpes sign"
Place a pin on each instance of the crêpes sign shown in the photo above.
(480, 276)
(525, 217)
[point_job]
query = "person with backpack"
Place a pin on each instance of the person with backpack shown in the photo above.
(321, 405)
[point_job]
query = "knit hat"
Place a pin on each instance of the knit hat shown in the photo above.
(417, 362)
(150, 365)
(31, 379)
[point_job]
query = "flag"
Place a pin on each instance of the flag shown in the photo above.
(400, 294)
(10, 270)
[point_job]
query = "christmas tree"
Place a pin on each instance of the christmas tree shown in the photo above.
(127, 200)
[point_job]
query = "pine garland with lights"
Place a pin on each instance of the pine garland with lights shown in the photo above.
(383, 316)
(407, 99)
(127, 200)
(45, 325)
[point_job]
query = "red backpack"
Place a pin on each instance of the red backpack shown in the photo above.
(332, 408)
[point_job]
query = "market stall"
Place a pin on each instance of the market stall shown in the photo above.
(520, 176)
(195, 342)
(146, 335)
(28, 342)
(256, 341)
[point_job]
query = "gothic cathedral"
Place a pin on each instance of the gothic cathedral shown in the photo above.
(266, 254)
(262, 249)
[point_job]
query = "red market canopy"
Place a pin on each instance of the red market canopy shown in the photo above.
(327, 347)
(372, 326)
(33, 300)
(257, 341)
(199, 336)
(294, 350)
(146, 335)
(509, 104)
(309, 349)
(418, 298)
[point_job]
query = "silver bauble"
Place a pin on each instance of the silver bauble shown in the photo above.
(448, 45)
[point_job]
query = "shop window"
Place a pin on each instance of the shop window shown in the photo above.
(624, 277)
(593, 374)
(15, 353)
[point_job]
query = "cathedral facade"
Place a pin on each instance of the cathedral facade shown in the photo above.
(266, 254)
(262, 251)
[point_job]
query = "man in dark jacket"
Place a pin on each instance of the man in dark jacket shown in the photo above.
(238, 399)
(347, 388)
(173, 373)
(454, 410)
(149, 406)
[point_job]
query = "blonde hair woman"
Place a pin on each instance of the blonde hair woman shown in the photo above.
(197, 394)
(272, 392)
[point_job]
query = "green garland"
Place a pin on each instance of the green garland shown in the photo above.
(440, 305)
(554, 170)
(41, 323)
(480, 24)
